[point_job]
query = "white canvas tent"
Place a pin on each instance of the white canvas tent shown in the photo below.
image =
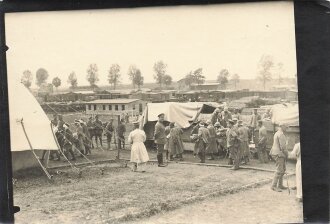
(24, 107)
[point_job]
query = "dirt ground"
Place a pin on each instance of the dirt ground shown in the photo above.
(258, 205)
(120, 195)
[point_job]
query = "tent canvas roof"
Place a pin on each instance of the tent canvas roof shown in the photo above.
(23, 106)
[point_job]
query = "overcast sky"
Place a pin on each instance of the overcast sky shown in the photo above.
(232, 36)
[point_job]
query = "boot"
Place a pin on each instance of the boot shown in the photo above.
(180, 157)
(160, 160)
(230, 162)
(167, 155)
(171, 158)
(280, 183)
(274, 184)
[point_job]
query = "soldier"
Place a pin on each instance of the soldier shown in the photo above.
(203, 141)
(86, 137)
(80, 136)
(233, 146)
(68, 142)
(212, 146)
(225, 117)
(221, 138)
(98, 128)
(121, 129)
(254, 122)
(109, 132)
(90, 128)
(243, 135)
(168, 137)
(267, 115)
(194, 136)
(215, 117)
(236, 115)
(160, 139)
(261, 146)
(60, 123)
(55, 120)
(175, 143)
(279, 153)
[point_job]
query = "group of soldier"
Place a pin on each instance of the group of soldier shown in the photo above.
(223, 134)
(79, 136)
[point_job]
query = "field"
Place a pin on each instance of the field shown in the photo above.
(120, 195)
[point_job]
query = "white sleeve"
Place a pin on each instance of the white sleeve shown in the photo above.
(293, 153)
(130, 138)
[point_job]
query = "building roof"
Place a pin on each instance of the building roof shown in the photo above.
(112, 101)
(84, 92)
(206, 84)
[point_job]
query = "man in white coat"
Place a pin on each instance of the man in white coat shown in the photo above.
(295, 153)
(139, 154)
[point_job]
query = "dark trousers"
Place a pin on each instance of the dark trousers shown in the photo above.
(235, 155)
(160, 150)
(109, 141)
(262, 154)
(121, 142)
(201, 153)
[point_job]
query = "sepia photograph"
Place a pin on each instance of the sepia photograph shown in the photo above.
(160, 115)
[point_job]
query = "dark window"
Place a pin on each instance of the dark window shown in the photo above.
(94, 107)
(103, 107)
(89, 107)
(140, 108)
(110, 107)
(133, 106)
(116, 107)
(122, 107)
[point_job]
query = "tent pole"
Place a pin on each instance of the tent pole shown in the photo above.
(27, 138)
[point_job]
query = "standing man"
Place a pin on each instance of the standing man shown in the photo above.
(296, 154)
(225, 117)
(254, 122)
(194, 137)
(160, 138)
(215, 117)
(279, 153)
(87, 140)
(221, 138)
(80, 135)
(98, 130)
(176, 144)
(109, 132)
(261, 146)
(203, 141)
(90, 128)
(212, 146)
(168, 139)
(243, 135)
(121, 129)
(236, 115)
(233, 146)
(60, 123)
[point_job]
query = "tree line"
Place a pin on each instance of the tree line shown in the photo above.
(161, 76)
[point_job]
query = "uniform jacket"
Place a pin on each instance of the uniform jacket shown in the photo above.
(212, 131)
(254, 120)
(232, 136)
(262, 136)
(204, 134)
(121, 129)
(98, 124)
(109, 129)
(243, 133)
(159, 134)
(279, 144)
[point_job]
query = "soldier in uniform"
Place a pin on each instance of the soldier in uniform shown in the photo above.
(86, 137)
(80, 136)
(98, 130)
(175, 143)
(225, 117)
(67, 142)
(215, 117)
(254, 122)
(221, 138)
(203, 141)
(60, 123)
(168, 137)
(279, 153)
(121, 129)
(212, 146)
(236, 115)
(243, 135)
(261, 146)
(160, 139)
(109, 132)
(194, 137)
(90, 128)
(233, 145)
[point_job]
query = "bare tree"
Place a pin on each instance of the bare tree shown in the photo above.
(92, 75)
(235, 79)
(41, 76)
(56, 82)
(160, 71)
(114, 75)
(72, 80)
(223, 78)
(27, 78)
(266, 63)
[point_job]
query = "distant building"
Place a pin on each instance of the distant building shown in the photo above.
(115, 107)
(205, 86)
